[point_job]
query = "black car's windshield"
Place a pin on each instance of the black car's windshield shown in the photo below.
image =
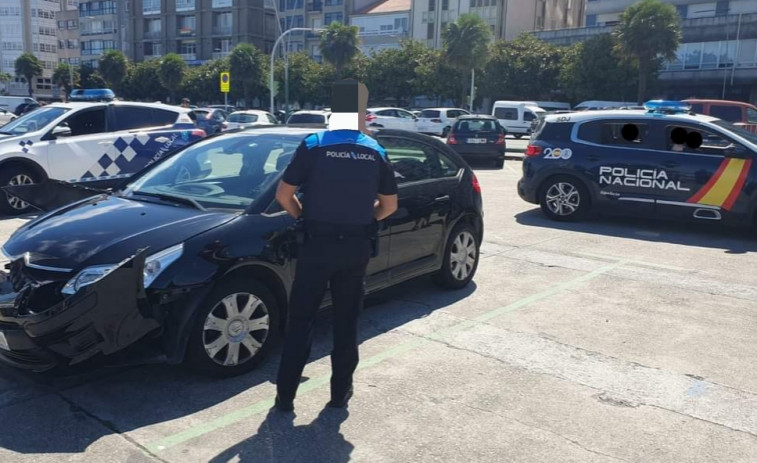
(749, 136)
(228, 172)
(33, 121)
(306, 119)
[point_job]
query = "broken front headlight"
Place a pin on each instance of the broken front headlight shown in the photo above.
(154, 266)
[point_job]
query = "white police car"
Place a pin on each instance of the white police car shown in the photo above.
(664, 161)
(97, 143)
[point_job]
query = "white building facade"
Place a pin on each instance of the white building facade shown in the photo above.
(383, 25)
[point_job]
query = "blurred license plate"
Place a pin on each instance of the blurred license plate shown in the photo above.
(3, 342)
(477, 140)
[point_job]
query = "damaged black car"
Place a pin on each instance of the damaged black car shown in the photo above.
(195, 258)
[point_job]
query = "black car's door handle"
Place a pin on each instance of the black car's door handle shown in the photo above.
(442, 198)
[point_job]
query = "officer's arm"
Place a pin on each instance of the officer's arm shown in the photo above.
(386, 205)
(285, 195)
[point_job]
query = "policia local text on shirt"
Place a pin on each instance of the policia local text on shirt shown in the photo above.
(348, 184)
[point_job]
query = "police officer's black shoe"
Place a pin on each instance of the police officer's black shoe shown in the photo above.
(342, 401)
(284, 405)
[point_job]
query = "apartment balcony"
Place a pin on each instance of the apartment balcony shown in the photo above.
(153, 55)
(220, 54)
(399, 33)
(186, 32)
(315, 7)
(571, 36)
(222, 30)
(188, 56)
(153, 34)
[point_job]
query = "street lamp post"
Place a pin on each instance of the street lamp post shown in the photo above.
(273, 53)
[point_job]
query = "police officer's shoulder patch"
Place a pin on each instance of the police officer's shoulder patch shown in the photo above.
(312, 140)
(365, 140)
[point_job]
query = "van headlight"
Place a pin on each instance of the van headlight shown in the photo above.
(154, 266)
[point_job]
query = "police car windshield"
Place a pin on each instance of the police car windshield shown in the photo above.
(749, 136)
(228, 172)
(33, 121)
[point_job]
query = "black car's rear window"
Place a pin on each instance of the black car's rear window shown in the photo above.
(476, 125)
(306, 119)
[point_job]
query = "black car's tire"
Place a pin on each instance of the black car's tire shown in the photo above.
(564, 198)
(217, 333)
(499, 163)
(462, 247)
(15, 175)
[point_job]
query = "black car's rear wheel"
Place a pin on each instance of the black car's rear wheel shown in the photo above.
(564, 198)
(234, 329)
(460, 258)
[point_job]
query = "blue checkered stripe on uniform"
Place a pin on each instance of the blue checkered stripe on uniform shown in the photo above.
(121, 159)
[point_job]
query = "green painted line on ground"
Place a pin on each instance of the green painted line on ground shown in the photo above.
(314, 383)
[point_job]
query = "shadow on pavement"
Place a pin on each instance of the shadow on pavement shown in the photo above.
(43, 414)
(277, 439)
(715, 236)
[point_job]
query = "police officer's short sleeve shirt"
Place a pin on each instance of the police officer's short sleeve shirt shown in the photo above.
(340, 172)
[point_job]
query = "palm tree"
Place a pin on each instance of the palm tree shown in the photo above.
(5, 79)
(28, 67)
(339, 45)
(465, 46)
(647, 30)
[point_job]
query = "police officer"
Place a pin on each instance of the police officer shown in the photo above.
(348, 185)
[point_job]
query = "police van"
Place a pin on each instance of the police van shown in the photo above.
(663, 161)
(96, 143)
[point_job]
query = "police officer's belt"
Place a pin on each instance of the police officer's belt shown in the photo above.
(337, 230)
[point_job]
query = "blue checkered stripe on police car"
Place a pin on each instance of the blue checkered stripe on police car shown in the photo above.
(25, 145)
(127, 155)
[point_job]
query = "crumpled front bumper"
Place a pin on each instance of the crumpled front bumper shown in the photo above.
(42, 329)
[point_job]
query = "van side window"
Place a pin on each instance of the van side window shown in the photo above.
(727, 113)
(697, 108)
(751, 116)
(508, 114)
(528, 116)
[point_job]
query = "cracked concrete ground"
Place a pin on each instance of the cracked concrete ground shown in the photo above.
(611, 340)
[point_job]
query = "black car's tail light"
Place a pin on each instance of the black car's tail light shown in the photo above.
(501, 139)
(451, 140)
(476, 185)
(533, 150)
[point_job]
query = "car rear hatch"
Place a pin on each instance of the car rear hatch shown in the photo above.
(477, 135)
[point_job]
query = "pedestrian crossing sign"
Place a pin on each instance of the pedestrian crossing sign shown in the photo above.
(225, 82)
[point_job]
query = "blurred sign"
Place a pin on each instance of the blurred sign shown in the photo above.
(225, 82)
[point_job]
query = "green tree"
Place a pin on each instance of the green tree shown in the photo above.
(172, 71)
(433, 74)
(202, 84)
(90, 77)
(593, 70)
(5, 79)
(28, 67)
(248, 68)
(301, 66)
(62, 77)
(465, 47)
(522, 69)
(114, 67)
(143, 82)
(339, 45)
(392, 72)
(647, 30)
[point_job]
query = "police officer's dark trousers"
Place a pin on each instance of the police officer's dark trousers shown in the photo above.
(339, 260)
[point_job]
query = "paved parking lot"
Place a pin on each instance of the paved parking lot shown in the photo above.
(603, 341)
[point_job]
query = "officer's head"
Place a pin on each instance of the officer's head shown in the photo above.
(349, 100)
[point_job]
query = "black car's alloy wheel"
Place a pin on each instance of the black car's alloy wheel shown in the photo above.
(460, 258)
(564, 198)
(234, 329)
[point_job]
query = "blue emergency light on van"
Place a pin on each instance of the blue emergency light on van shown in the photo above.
(667, 106)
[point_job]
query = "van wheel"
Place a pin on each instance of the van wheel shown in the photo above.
(15, 175)
(460, 258)
(564, 198)
(234, 329)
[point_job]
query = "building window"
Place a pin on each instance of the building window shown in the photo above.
(10, 11)
(221, 3)
(187, 25)
(722, 8)
(188, 50)
(333, 2)
(683, 11)
(98, 27)
(185, 5)
(400, 24)
(153, 49)
(222, 23)
(591, 20)
(97, 47)
(445, 5)
(329, 18)
(72, 24)
(150, 6)
(61, 25)
(98, 8)
(431, 5)
(430, 31)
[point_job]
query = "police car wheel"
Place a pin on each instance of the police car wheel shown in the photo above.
(234, 329)
(564, 198)
(15, 176)
(460, 258)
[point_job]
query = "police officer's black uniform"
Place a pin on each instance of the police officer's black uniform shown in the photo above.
(340, 173)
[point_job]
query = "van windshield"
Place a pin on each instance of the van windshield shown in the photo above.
(33, 121)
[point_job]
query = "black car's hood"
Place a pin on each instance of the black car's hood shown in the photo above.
(107, 229)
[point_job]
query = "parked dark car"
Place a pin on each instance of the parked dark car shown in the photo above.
(203, 265)
(478, 137)
(25, 108)
(210, 120)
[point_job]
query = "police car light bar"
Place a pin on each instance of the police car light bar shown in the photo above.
(666, 106)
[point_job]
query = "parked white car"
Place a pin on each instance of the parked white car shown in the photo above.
(96, 143)
(309, 117)
(6, 116)
(438, 121)
(390, 118)
(242, 119)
